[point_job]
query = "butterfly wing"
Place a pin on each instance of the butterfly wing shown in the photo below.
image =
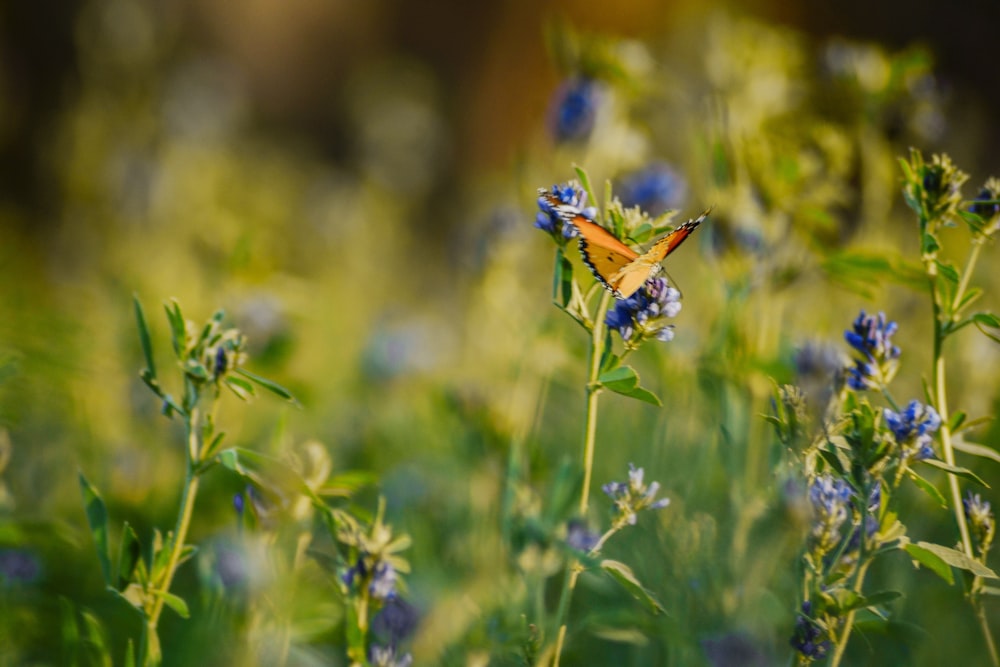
(603, 253)
(669, 243)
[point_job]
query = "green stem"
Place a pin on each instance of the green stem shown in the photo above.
(589, 439)
(593, 391)
(984, 625)
(179, 537)
(859, 580)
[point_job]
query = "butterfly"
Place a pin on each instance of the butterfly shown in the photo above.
(616, 266)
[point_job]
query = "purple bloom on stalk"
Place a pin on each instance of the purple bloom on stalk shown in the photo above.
(579, 537)
(551, 219)
(574, 109)
(981, 521)
(395, 621)
(643, 315)
(913, 429)
(18, 566)
(633, 496)
(830, 498)
(871, 336)
(655, 189)
(809, 639)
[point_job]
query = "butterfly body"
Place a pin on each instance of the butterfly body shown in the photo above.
(615, 265)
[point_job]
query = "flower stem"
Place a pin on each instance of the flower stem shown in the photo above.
(845, 635)
(589, 439)
(185, 512)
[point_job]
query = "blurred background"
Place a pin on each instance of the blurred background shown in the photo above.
(354, 183)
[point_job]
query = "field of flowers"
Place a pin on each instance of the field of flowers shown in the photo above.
(261, 404)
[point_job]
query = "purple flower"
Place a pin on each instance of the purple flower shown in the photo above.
(395, 621)
(574, 109)
(643, 315)
(871, 336)
(830, 499)
(579, 537)
(385, 656)
(809, 638)
(655, 189)
(552, 218)
(18, 566)
(913, 429)
(633, 496)
(981, 522)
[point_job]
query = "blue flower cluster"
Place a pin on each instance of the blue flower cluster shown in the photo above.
(655, 189)
(572, 198)
(574, 109)
(382, 583)
(809, 638)
(981, 521)
(830, 498)
(871, 336)
(913, 429)
(643, 315)
(580, 537)
(633, 496)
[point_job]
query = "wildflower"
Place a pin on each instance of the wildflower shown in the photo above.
(572, 199)
(383, 583)
(933, 189)
(829, 498)
(643, 314)
(871, 336)
(982, 522)
(912, 429)
(239, 503)
(575, 109)
(986, 207)
(395, 621)
(655, 189)
(633, 496)
(18, 566)
(809, 639)
(579, 537)
(385, 656)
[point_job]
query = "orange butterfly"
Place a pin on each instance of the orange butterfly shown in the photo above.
(619, 268)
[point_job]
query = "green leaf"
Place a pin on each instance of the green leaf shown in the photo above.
(129, 553)
(271, 386)
(130, 654)
(346, 484)
(987, 319)
(562, 279)
(144, 338)
(97, 518)
(175, 602)
(976, 450)
(623, 574)
(957, 559)
(964, 473)
(643, 395)
(178, 331)
(94, 645)
(266, 472)
(931, 561)
(243, 389)
(956, 421)
(930, 244)
(584, 179)
(971, 295)
(620, 379)
(948, 272)
(927, 487)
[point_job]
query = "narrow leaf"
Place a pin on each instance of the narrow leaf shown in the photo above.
(178, 332)
(130, 654)
(243, 389)
(623, 574)
(987, 319)
(144, 338)
(584, 179)
(562, 279)
(957, 559)
(964, 473)
(643, 395)
(174, 602)
(976, 450)
(129, 553)
(948, 272)
(927, 488)
(931, 561)
(956, 421)
(271, 386)
(97, 518)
